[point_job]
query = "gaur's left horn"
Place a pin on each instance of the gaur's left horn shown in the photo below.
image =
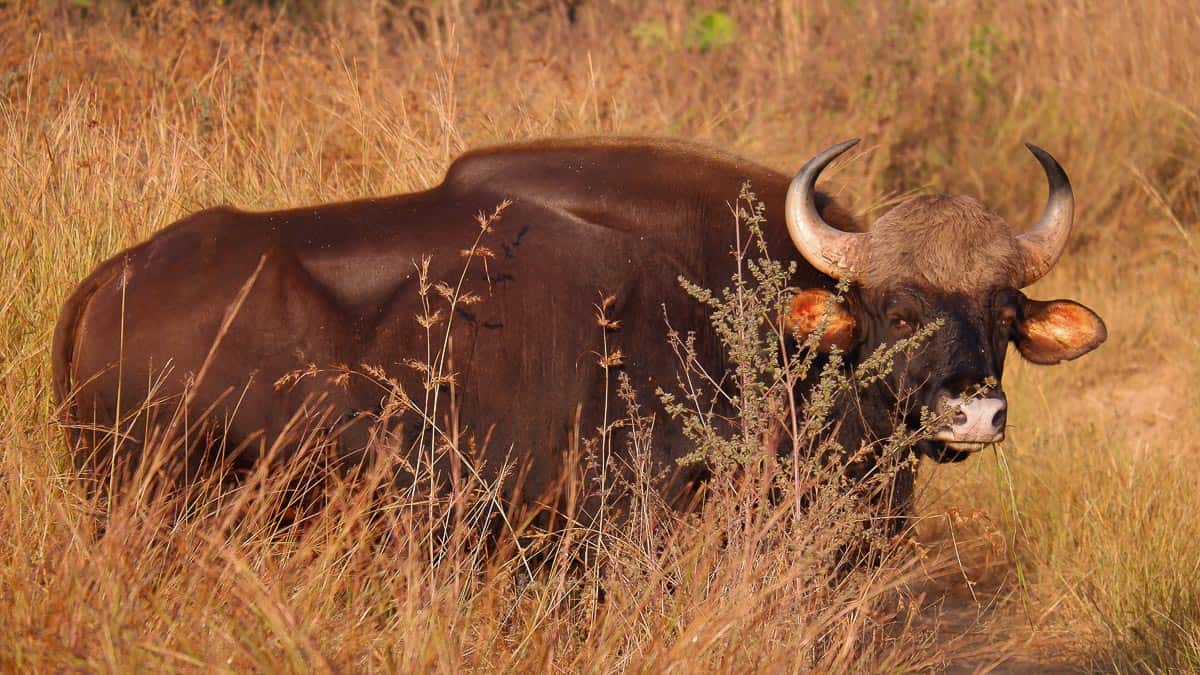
(826, 248)
(1042, 245)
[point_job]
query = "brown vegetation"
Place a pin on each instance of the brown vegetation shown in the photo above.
(1074, 541)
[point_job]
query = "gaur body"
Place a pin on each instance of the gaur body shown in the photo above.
(224, 308)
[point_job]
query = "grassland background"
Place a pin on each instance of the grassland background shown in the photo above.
(114, 124)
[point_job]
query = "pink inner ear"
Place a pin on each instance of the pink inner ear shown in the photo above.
(1067, 324)
(1060, 330)
(807, 311)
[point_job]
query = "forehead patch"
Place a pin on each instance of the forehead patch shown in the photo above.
(948, 242)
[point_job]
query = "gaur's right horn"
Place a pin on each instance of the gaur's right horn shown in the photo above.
(828, 249)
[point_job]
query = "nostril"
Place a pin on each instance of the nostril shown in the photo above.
(1000, 419)
(960, 418)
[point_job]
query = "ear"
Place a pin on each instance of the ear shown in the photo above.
(808, 311)
(1058, 330)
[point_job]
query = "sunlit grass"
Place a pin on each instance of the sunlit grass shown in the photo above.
(1080, 527)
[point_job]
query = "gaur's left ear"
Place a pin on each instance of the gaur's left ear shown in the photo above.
(807, 311)
(1058, 330)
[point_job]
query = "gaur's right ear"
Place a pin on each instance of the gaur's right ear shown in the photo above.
(808, 311)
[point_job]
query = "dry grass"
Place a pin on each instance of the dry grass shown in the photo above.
(113, 127)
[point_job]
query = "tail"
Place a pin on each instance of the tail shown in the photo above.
(66, 331)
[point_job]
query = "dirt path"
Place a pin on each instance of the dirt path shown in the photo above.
(994, 627)
(1147, 402)
(1007, 643)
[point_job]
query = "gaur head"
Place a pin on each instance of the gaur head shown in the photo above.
(949, 259)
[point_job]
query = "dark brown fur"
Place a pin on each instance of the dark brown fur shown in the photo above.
(337, 288)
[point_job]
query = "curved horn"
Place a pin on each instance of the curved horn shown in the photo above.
(1042, 245)
(828, 249)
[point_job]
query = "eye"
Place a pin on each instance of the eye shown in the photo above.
(901, 324)
(903, 314)
(1006, 317)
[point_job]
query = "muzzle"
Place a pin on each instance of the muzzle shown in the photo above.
(973, 422)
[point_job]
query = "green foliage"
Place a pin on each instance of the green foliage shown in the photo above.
(711, 30)
(740, 313)
(707, 30)
(747, 318)
(749, 421)
(984, 43)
